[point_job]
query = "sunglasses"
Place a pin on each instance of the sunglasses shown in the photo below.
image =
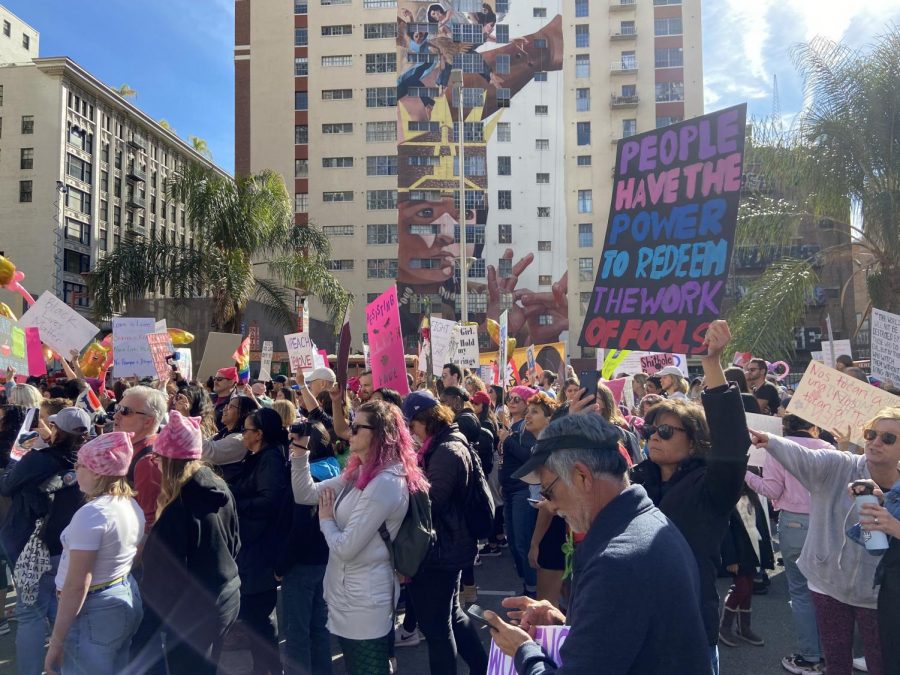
(887, 437)
(547, 492)
(665, 431)
(126, 411)
(514, 399)
(354, 428)
(219, 379)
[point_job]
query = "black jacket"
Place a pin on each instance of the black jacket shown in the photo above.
(260, 490)
(190, 574)
(303, 543)
(516, 451)
(700, 496)
(448, 467)
(737, 549)
(469, 425)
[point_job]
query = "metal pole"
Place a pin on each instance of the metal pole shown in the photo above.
(463, 229)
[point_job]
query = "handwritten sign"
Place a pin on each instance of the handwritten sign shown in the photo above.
(885, 346)
(529, 356)
(62, 328)
(503, 355)
(653, 363)
(551, 638)
(386, 342)
(467, 346)
(833, 349)
(441, 337)
(301, 352)
(186, 363)
(131, 351)
(831, 400)
(265, 361)
(161, 348)
(12, 346)
(34, 352)
(665, 261)
(765, 423)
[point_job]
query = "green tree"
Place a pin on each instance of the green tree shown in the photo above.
(164, 123)
(201, 146)
(126, 92)
(842, 154)
(247, 248)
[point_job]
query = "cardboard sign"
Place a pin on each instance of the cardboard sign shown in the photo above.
(301, 351)
(551, 638)
(503, 356)
(217, 353)
(265, 361)
(885, 361)
(131, 351)
(529, 355)
(62, 328)
(12, 346)
(467, 346)
(161, 349)
(831, 400)
(386, 343)
(662, 276)
(34, 352)
(441, 336)
(186, 363)
(367, 356)
(832, 350)
(343, 353)
(765, 423)
(653, 363)
(486, 373)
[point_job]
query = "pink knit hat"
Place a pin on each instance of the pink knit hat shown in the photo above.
(107, 455)
(227, 373)
(180, 438)
(523, 392)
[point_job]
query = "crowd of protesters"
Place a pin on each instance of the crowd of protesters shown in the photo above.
(148, 534)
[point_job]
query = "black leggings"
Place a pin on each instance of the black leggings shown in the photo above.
(256, 613)
(365, 657)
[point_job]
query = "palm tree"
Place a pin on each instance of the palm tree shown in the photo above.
(248, 249)
(126, 92)
(201, 146)
(164, 123)
(842, 155)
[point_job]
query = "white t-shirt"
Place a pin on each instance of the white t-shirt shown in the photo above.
(112, 526)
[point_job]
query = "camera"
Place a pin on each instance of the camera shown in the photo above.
(300, 429)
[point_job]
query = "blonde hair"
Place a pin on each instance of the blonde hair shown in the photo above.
(25, 395)
(890, 413)
(175, 475)
(110, 486)
(287, 410)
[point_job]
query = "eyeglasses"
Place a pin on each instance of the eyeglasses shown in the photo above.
(665, 431)
(354, 428)
(246, 429)
(887, 437)
(547, 492)
(752, 370)
(126, 411)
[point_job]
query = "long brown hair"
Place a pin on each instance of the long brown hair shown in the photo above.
(175, 475)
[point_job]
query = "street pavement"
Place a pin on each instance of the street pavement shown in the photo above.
(496, 579)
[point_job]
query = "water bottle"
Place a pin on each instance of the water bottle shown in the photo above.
(874, 541)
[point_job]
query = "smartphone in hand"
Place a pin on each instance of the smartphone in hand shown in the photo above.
(589, 379)
(477, 613)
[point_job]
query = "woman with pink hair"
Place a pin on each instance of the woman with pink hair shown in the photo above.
(373, 490)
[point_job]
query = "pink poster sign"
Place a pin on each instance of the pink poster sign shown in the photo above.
(617, 387)
(386, 342)
(36, 365)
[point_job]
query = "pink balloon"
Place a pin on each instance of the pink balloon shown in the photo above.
(773, 368)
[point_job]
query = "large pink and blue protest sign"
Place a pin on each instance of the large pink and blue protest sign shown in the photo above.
(663, 272)
(386, 343)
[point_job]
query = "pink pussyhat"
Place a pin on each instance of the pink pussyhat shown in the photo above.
(180, 438)
(107, 455)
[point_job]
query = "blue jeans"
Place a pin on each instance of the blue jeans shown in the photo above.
(520, 518)
(792, 530)
(34, 621)
(714, 659)
(98, 641)
(307, 647)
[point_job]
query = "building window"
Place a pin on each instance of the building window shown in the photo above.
(582, 65)
(7, 29)
(504, 268)
(117, 216)
(381, 268)
(381, 165)
(341, 61)
(585, 201)
(337, 196)
(300, 6)
(301, 37)
(378, 4)
(337, 94)
(541, 110)
(25, 187)
(627, 28)
(584, 300)
(338, 128)
(326, 3)
(474, 132)
(377, 200)
(104, 210)
(476, 165)
(501, 33)
(75, 262)
(381, 63)
(331, 31)
(26, 158)
(666, 2)
(301, 203)
(381, 97)
(628, 61)
(26, 42)
(504, 166)
(545, 280)
(301, 134)
(469, 62)
(669, 91)
(542, 178)
(629, 128)
(338, 230)
(475, 270)
(301, 66)
(585, 235)
(504, 234)
(503, 96)
(671, 26)
(75, 295)
(301, 168)
(543, 212)
(377, 132)
(78, 200)
(27, 124)
(539, 12)
(582, 36)
(584, 160)
(501, 64)
(666, 121)
(504, 132)
(337, 162)
(470, 34)
(540, 76)
(586, 269)
(504, 199)
(583, 131)
(474, 234)
(582, 99)
(669, 57)
(376, 31)
(78, 169)
(382, 233)
(472, 97)
(339, 265)
(541, 143)
(581, 8)
(301, 100)
(545, 245)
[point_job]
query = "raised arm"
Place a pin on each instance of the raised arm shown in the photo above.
(338, 414)
(305, 489)
(810, 466)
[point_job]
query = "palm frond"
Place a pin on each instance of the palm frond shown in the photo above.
(274, 298)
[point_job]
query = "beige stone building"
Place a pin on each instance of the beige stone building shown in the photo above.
(317, 99)
(19, 42)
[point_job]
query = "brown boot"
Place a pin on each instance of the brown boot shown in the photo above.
(727, 635)
(745, 632)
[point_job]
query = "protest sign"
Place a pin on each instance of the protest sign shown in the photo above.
(217, 353)
(885, 361)
(503, 356)
(301, 352)
(441, 336)
(34, 352)
(653, 363)
(832, 350)
(661, 278)
(131, 351)
(551, 638)
(12, 346)
(831, 400)
(161, 348)
(27, 438)
(486, 373)
(467, 346)
(386, 343)
(617, 387)
(367, 360)
(343, 353)
(529, 355)
(160, 326)
(185, 363)
(265, 361)
(62, 328)
(768, 424)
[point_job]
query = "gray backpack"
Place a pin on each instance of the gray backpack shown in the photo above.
(415, 537)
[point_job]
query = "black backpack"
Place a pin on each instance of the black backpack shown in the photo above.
(479, 507)
(415, 537)
(484, 446)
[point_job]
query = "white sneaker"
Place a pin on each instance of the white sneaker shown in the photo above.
(860, 664)
(404, 639)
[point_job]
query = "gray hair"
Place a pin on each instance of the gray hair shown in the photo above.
(603, 460)
(154, 399)
(25, 395)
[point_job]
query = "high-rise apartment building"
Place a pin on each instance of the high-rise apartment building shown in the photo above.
(370, 141)
(19, 42)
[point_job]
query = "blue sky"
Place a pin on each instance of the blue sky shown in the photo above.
(177, 54)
